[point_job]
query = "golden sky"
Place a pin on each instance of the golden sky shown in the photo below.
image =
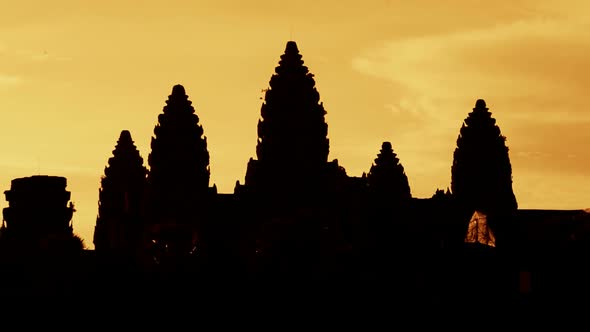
(73, 74)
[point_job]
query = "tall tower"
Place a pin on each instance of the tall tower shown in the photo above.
(293, 147)
(178, 178)
(295, 190)
(121, 199)
(481, 171)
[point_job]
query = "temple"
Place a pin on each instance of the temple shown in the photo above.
(299, 218)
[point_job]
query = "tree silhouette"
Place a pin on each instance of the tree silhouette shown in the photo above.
(387, 177)
(179, 172)
(292, 133)
(481, 171)
(121, 198)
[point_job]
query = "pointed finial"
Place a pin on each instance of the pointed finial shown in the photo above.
(178, 90)
(480, 104)
(291, 47)
(125, 135)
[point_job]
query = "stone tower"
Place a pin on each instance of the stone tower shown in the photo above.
(121, 199)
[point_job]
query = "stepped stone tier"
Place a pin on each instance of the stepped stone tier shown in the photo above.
(38, 204)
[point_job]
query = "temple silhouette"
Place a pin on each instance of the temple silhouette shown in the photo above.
(297, 218)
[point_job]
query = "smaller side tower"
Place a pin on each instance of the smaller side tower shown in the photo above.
(121, 199)
(38, 217)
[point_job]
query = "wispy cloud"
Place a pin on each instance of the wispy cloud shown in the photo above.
(538, 57)
(530, 71)
(10, 80)
(536, 66)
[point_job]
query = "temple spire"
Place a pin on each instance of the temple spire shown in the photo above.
(178, 180)
(291, 47)
(292, 134)
(481, 171)
(179, 159)
(178, 90)
(387, 178)
(121, 198)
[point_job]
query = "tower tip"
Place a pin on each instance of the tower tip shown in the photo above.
(291, 47)
(125, 135)
(481, 104)
(178, 90)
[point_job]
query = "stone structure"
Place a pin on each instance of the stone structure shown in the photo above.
(387, 177)
(178, 179)
(481, 171)
(121, 199)
(292, 148)
(38, 216)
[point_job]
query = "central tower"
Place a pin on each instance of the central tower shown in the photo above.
(292, 147)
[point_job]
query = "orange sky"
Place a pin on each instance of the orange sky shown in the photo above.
(73, 74)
